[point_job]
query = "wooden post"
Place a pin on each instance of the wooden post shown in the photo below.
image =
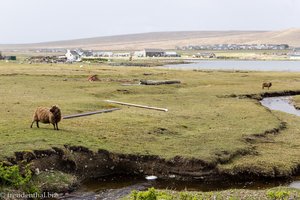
(136, 105)
(161, 82)
(90, 113)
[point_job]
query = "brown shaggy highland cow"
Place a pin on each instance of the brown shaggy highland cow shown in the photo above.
(47, 116)
(267, 85)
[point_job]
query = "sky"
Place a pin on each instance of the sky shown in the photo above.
(31, 21)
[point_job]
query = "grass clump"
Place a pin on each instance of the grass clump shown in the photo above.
(233, 194)
(94, 60)
(55, 181)
(13, 181)
(150, 194)
(11, 175)
(296, 102)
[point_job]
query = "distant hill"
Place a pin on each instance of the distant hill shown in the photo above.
(168, 40)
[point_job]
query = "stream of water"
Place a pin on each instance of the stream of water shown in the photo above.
(113, 188)
(283, 104)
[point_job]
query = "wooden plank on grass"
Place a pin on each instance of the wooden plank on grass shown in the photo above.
(90, 113)
(137, 105)
(159, 82)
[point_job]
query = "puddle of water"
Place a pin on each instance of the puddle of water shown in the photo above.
(110, 188)
(295, 184)
(281, 104)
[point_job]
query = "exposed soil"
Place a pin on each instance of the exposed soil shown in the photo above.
(88, 164)
(262, 95)
(262, 137)
(162, 131)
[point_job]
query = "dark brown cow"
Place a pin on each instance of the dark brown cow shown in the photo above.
(267, 85)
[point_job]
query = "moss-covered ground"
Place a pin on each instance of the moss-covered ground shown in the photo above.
(233, 194)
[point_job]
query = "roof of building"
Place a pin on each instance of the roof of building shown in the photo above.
(297, 49)
(74, 52)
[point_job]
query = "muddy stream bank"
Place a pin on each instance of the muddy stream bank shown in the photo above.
(106, 175)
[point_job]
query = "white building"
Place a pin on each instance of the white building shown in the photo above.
(125, 54)
(108, 54)
(150, 53)
(295, 55)
(72, 56)
(171, 54)
(139, 54)
(103, 54)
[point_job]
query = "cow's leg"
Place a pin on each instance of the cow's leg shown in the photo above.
(37, 124)
(56, 126)
(31, 124)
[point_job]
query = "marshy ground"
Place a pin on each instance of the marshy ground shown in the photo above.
(234, 136)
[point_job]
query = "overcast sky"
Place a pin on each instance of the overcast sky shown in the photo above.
(26, 21)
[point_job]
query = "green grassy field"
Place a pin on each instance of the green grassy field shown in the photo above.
(199, 123)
